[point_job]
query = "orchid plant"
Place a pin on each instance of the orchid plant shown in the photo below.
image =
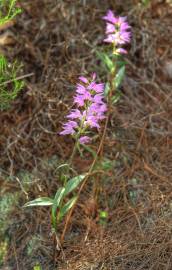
(92, 104)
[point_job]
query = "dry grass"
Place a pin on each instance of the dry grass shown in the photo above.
(58, 44)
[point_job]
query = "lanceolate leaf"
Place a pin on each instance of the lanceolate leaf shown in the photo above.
(73, 183)
(56, 202)
(119, 76)
(43, 201)
(117, 97)
(67, 206)
(106, 61)
(107, 89)
(58, 196)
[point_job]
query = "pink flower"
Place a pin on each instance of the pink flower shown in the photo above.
(110, 17)
(117, 31)
(97, 87)
(84, 139)
(83, 79)
(121, 50)
(92, 121)
(80, 89)
(69, 128)
(90, 108)
(75, 114)
(98, 99)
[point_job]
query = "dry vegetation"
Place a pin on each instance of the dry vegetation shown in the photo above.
(56, 40)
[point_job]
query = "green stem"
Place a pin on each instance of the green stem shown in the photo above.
(73, 152)
(80, 131)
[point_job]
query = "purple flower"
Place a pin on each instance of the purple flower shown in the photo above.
(121, 50)
(119, 38)
(117, 31)
(75, 114)
(110, 38)
(68, 128)
(125, 26)
(98, 99)
(84, 139)
(80, 89)
(90, 108)
(110, 28)
(96, 112)
(79, 100)
(97, 87)
(92, 121)
(103, 108)
(94, 75)
(83, 79)
(110, 17)
(125, 36)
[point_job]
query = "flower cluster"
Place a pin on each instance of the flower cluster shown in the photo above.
(90, 109)
(118, 31)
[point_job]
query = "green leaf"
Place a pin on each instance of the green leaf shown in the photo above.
(106, 61)
(107, 89)
(120, 63)
(58, 196)
(73, 183)
(116, 98)
(107, 164)
(119, 76)
(43, 201)
(56, 202)
(67, 206)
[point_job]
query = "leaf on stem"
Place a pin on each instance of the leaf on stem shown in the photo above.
(67, 206)
(73, 183)
(107, 89)
(119, 77)
(116, 97)
(43, 201)
(106, 61)
(56, 202)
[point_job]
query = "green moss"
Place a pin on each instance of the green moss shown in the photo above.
(33, 244)
(7, 204)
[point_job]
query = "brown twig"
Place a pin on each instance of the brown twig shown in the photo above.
(18, 78)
